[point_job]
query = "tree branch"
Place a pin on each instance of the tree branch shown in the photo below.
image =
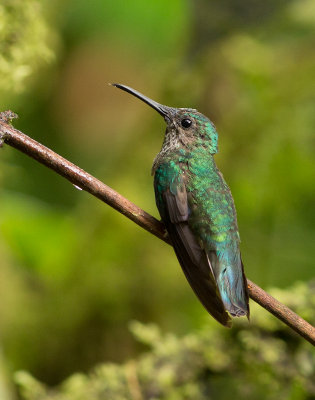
(87, 182)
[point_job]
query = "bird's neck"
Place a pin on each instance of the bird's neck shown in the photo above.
(181, 154)
(170, 147)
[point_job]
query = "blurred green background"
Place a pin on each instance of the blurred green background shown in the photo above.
(73, 272)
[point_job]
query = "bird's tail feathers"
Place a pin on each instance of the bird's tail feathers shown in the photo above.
(232, 285)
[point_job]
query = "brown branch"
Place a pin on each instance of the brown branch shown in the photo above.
(87, 182)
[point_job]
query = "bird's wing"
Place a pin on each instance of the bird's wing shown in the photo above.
(193, 259)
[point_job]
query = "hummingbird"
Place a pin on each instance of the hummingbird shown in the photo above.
(198, 211)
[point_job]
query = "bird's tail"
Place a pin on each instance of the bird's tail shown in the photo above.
(232, 285)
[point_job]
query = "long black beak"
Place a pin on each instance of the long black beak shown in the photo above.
(165, 111)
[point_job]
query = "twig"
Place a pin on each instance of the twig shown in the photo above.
(87, 182)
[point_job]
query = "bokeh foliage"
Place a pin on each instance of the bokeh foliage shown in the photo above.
(73, 272)
(264, 361)
(24, 44)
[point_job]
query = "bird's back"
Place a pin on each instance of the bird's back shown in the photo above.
(194, 185)
(213, 221)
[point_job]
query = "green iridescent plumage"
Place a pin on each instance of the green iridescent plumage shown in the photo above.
(197, 207)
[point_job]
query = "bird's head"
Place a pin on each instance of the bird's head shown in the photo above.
(186, 127)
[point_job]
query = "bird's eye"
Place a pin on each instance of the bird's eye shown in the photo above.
(186, 123)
